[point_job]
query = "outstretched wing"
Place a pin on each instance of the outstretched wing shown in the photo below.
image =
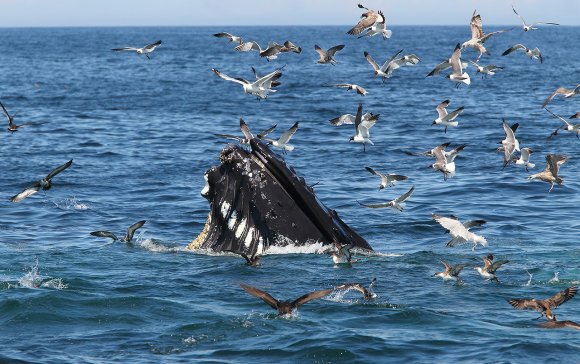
(405, 196)
(562, 296)
(514, 48)
(311, 296)
(369, 18)
(241, 81)
(124, 49)
(28, 191)
(371, 61)
(131, 230)
(264, 296)
(152, 45)
(104, 234)
(287, 135)
(559, 90)
(267, 131)
(334, 49)
(58, 169)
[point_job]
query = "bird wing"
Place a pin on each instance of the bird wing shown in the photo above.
(229, 136)
(559, 90)
(267, 131)
(321, 52)
(457, 268)
(378, 205)
(287, 135)
(554, 161)
(104, 234)
(245, 130)
(439, 68)
(455, 60)
(334, 49)
(388, 62)
(369, 18)
(521, 17)
(28, 191)
(131, 230)
(269, 77)
(372, 171)
(371, 61)
(125, 49)
(526, 304)
(358, 118)
(223, 35)
(264, 296)
(248, 46)
(495, 266)
(441, 109)
(6, 113)
(439, 154)
(454, 226)
(559, 117)
(452, 115)
(364, 127)
(343, 119)
(476, 27)
(152, 45)
(241, 81)
(542, 22)
(405, 195)
(485, 37)
(562, 296)
(514, 48)
(311, 296)
(58, 169)
(447, 266)
(473, 223)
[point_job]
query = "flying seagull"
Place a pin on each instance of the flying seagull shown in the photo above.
(524, 159)
(261, 135)
(451, 272)
(284, 307)
(457, 74)
(444, 118)
(532, 53)
(568, 126)
(387, 180)
(349, 118)
(489, 267)
(368, 20)
(327, 56)
(444, 161)
(12, 127)
(44, 184)
(231, 37)
(528, 27)
(377, 28)
(350, 86)
(127, 238)
(550, 174)
(145, 50)
(478, 36)
(460, 231)
(510, 144)
(381, 71)
(485, 71)
(282, 142)
(259, 88)
(396, 204)
(361, 128)
(545, 306)
(567, 93)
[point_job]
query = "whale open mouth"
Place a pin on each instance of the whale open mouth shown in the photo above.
(256, 201)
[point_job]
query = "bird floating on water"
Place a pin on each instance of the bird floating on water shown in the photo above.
(545, 306)
(451, 272)
(128, 236)
(489, 268)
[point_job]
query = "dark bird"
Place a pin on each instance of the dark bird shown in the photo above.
(327, 56)
(451, 272)
(252, 261)
(127, 238)
(489, 268)
(368, 19)
(44, 184)
(12, 127)
(545, 306)
(231, 37)
(550, 174)
(367, 293)
(285, 307)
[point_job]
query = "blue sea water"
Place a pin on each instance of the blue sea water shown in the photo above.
(140, 133)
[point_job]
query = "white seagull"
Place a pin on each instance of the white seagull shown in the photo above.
(485, 71)
(510, 144)
(478, 36)
(396, 204)
(528, 27)
(382, 70)
(532, 53)
(349, 118)
(350, 86)
(460, 231)
(457, 74)
(445, 161)
(387, 180)
(270, 52)
(145, 50)
(489, 268)
(361, 128)
(567, 93)
(282, 143)
(259, 88)
(444, 118)
(231, 37)
(524, 159)
(568, 126)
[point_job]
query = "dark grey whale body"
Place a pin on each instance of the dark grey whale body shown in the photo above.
(256, 201)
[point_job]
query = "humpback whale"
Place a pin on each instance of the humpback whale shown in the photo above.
(256, 200)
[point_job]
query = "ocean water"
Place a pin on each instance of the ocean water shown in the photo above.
(140, 133)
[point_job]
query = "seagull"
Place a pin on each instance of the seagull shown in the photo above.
(327, 56)
(457, 74)
(269, 84)
(282, 143)
(145, 50)
(127, 238)
(367, 293)
(406, 60)
(378, 28)
(284, 307)
(445, 118)
(382, 70)
(444, 161)
(252, 261)
(567, 93)
(44, 184)
(259, 88)
(574, 128)
(370, 18)
(528, 27)
(231, 37)
(460, 231)
(545, 306)
(247, 141)
(349, 118)
(451, 272)
(575, 116)
(510, 144)
(361, 128)
(396, 204)
(550, 174)
(488, 70)
(489, 268)
(350, 86)
(342, 254)
(478, 36)
(532, 53)
(524, 159)
(12, 127)
(271, 52)
(387, 180)
(290, 47)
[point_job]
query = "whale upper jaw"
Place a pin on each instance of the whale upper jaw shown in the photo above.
(256, 201)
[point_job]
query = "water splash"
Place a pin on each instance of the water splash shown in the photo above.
(71, 204)
(33, 279)
(555, 278)
(530, 279)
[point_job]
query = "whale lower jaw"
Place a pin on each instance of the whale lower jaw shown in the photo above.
(257, 201)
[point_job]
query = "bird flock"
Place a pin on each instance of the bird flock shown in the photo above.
(371, 24)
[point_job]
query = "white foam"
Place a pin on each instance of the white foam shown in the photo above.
(71, 204)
